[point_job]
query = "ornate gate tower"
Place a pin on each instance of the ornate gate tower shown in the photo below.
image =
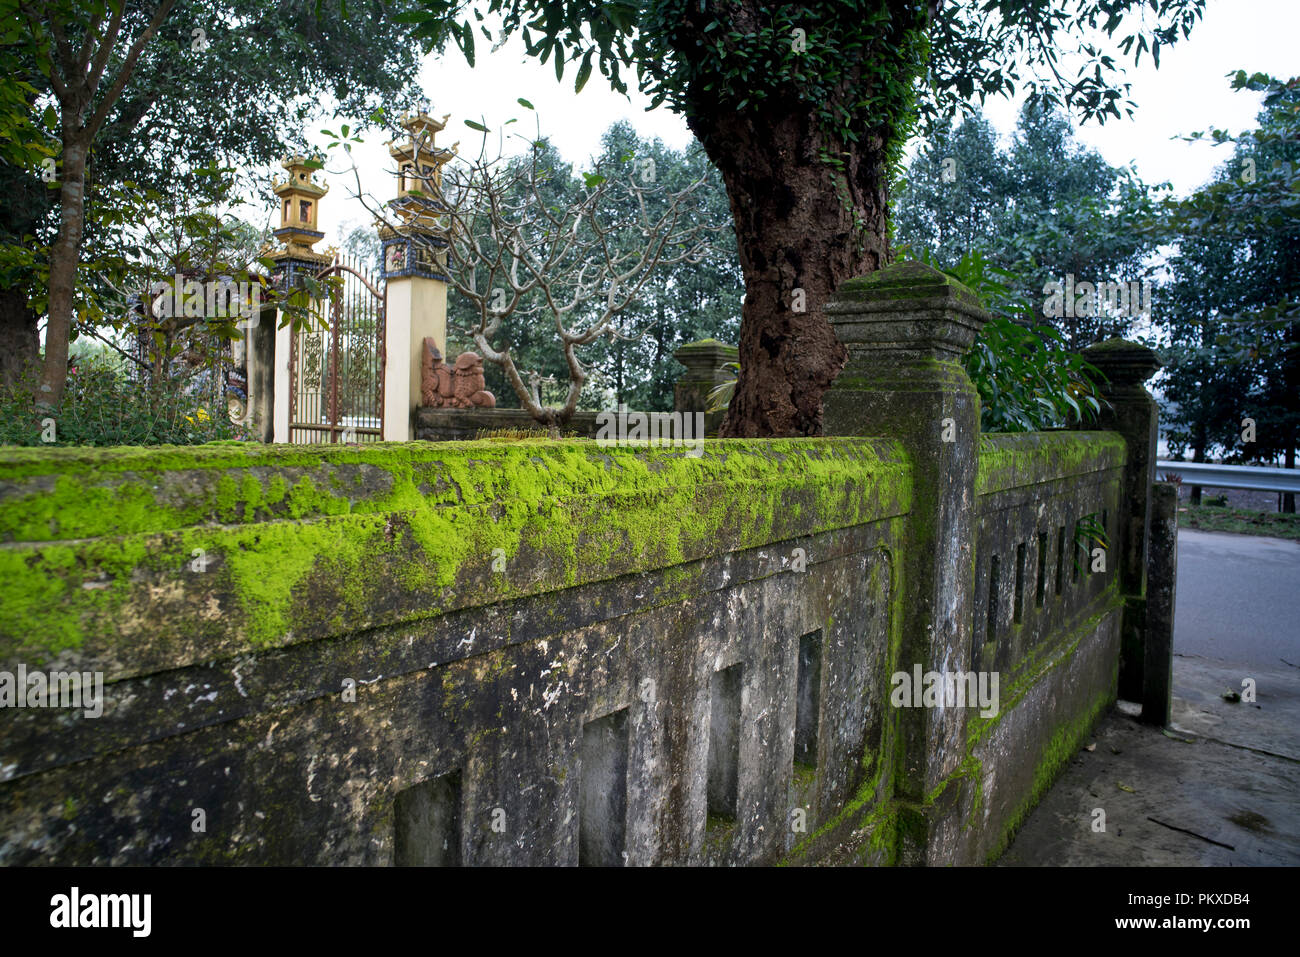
(299, 196)
(415, 268)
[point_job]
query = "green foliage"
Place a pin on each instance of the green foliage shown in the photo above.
(770, 87)
(852, 64)
(1242, 521)
(1028, 379)
(1089, 533)
(238, 98)
(685, 302)
(1233, 320)
(101, 407)
(1043, 209)
(720, 395)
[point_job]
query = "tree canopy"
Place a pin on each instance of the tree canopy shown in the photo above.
(803, 108)
(1233, 302)
(228, 84)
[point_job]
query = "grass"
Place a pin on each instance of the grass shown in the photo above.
(1242, 521)
(521, 435)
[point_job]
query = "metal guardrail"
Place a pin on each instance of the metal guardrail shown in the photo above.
(1232, 476)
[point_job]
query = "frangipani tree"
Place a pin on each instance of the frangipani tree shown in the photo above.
(524, 248)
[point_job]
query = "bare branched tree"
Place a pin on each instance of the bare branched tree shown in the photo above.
(517, 255)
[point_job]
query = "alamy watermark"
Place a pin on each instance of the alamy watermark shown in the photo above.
(1070, 299)
(76, 909)
(656, 428)
(935, 689)
(55, 689)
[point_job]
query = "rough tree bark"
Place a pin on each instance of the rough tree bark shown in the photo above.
(63, 266)
(794, 218)
(810, 211)
(19, 341)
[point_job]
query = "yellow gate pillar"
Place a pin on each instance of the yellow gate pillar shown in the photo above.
(415, 270)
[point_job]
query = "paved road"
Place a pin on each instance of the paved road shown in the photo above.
(1238, 598)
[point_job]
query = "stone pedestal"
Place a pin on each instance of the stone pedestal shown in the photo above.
(704, 361)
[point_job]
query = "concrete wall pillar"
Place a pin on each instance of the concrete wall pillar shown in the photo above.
(415, 308)
(1162, 579)
(907, 328)
(1131, 411)
(261, 374)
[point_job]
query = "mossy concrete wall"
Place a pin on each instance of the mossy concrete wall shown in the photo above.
(456, 652)
(987, 531)
(307, 649)
(1047, 621)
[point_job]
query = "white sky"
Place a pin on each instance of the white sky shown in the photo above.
(1189, 92)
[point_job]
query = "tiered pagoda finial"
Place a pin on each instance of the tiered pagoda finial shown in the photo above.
(299, 196)
(415, 245)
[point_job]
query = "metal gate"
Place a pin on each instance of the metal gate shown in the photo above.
(336, 374)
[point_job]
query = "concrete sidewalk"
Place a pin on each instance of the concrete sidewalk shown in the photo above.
(1226, 773)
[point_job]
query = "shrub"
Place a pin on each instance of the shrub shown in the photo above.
(102, 407)
(1027, 378)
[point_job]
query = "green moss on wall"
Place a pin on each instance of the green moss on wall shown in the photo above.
(1015, 460)
(344, 539)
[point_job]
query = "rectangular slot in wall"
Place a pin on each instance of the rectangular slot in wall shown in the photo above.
(808, 699)
(1042, 570)
(1105, 529)
(1018, 607)
(602, 801)
(724, 742)
(1074, 574)
(993, 601)
(426, 819)
(1060, 557)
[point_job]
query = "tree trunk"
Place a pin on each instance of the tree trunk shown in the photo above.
(802, 228)
(20, 344)
(63, 266)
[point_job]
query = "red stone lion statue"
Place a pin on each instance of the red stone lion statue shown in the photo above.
(457, 386)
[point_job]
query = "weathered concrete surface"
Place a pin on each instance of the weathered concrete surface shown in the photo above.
(906, 329)
(1131, 411)
(1162, 590)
